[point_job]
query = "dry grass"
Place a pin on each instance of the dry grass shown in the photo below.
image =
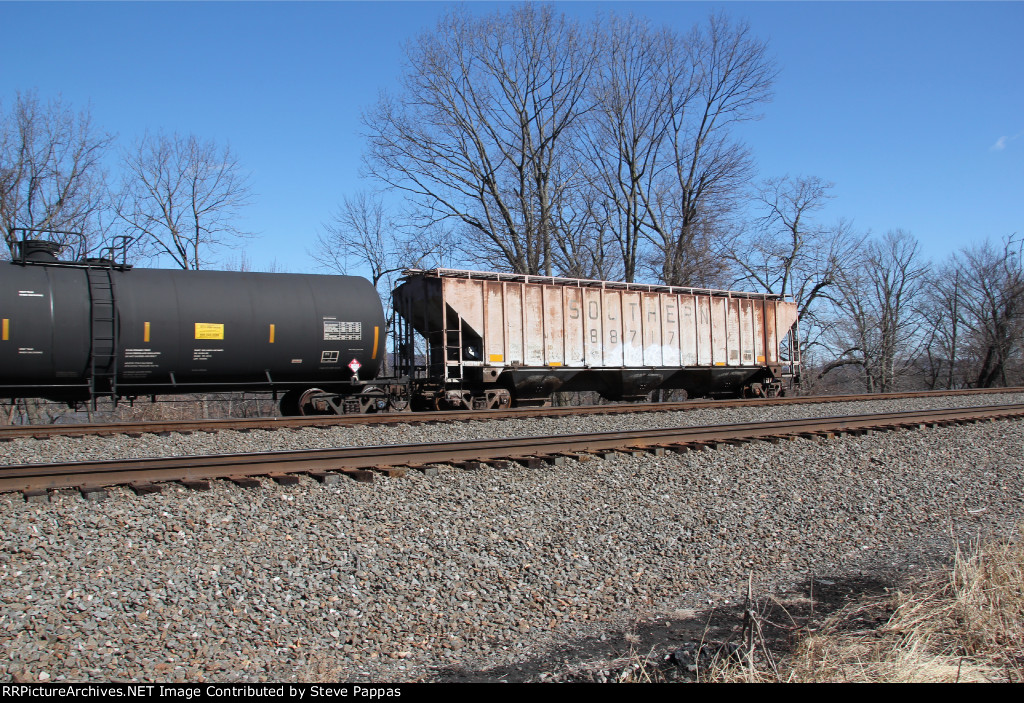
(964, 625)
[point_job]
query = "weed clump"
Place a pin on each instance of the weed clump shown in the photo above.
(966, 624)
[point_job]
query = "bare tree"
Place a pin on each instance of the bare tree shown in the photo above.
(586, 245)
(786, 252)
(243, 262)
(878, 303)
(364, 238)
(942, 366)
(181, 196)
(547, 140)
(51, 173)
(479, 132)
(991, 307)
(660, 135)
(627, 130)
(717, 77)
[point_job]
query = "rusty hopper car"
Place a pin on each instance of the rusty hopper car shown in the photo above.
(491, 339)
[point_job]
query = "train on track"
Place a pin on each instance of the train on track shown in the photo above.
(77, 331)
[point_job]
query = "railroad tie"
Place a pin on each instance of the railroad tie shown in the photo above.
(530, 462)
(392, 471)
(285, 479)
(360, 475)
(246, 481)
(93, 494)
(328, 478)
(471, 465)
(142, 488)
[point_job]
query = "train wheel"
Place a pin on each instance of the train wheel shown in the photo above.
(373, 400)
(296, 402)
(289, 403)
(310, 405)
(398, 402)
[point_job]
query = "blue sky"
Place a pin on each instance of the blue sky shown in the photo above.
(914, 110)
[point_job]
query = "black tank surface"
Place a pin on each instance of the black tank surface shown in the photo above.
(44, 339)
(71, 331)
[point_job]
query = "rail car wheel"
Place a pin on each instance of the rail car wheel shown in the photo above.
(289, 403)
(754, 390)
(311, 403)
(307, 402)
(373, 400)
(453, 400)
(399, 402)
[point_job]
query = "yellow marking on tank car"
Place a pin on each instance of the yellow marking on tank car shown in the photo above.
(271, 332)
(555, 363)
(497, 357)
(7, 329)
(209, 330)
(376, 336)
(145, 332)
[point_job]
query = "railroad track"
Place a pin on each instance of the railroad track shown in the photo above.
(362, 463)
(9, 432)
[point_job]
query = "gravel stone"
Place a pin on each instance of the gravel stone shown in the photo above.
(396, 579)
(95, 448)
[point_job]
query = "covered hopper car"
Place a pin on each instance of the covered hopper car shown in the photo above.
(492, 339)
(77, 331)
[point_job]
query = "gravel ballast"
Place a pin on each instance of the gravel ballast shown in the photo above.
(92, 447)
(396, 579)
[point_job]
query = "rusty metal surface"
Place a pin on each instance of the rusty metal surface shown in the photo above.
(236, 467)
(536, 321)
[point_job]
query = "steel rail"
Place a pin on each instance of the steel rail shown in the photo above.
(8, 432)
(82, 475)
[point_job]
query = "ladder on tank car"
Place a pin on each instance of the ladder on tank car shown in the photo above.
(103, 350)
